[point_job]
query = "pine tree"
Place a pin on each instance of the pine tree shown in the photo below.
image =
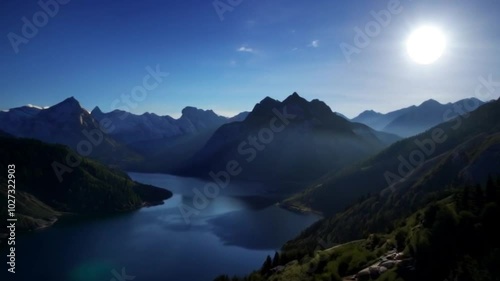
(478, 198)
(464, 200)
(266, 267)
(490, 190)
(222, 278)
(276, 259)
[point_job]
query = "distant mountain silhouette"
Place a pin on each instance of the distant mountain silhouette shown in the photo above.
(414, 120)
(341, 115)
(379, 121)
(118, 138)
(130, 128)
(294, 139)
(164, 142)
(468, 154)
(66, 123)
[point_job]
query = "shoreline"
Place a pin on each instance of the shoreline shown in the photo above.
(65, 217)
(298, 209)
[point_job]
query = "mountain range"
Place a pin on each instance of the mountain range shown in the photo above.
(414, 120)
(390, 205)
(200, 141)
(69, 124)
(300, 139)
(163, 142)
(118, 138)
(425, 208)
(410, 160)
(129, 128)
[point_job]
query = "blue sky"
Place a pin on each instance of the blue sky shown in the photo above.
(98, 50)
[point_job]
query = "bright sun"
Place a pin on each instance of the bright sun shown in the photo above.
(426, 45)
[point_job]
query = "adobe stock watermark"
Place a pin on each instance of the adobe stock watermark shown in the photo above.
(95, 137)
(49, 9)
(138, 94)
(122, 276)
(248, 149)
(223, 6)
(426, 148)
(363, 36)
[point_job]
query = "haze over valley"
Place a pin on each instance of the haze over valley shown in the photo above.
(249, 140)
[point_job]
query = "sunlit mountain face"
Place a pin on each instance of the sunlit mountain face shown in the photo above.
(249, 140)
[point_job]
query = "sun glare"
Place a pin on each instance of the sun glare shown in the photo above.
(426, 45)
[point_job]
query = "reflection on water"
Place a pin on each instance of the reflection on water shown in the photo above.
(233, 235)
(263, 229)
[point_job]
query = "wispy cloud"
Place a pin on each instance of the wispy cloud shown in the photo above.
(314, 44)
(250, 23)
(245, 49)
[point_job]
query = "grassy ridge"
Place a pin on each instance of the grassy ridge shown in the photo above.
(89, 189)
(439, 215)
(338, 190)
(452, 237)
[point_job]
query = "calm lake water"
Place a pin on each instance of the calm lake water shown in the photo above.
(233, 235)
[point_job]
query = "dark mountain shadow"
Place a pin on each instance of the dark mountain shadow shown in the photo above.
(266, 229)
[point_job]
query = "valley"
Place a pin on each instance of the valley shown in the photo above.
(233, 140)
(159, 238)
(327, 197)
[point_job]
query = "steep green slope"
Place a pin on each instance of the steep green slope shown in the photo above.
(334, 192)
(31, 213)
(437, 212)
(470, 163)
(88, 188)
(453, 236)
